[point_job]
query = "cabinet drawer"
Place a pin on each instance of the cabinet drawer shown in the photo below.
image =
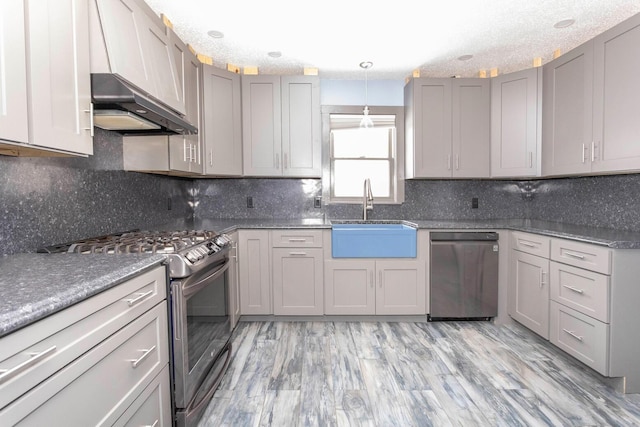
(62, 337)
(581, 336)
(582, 290)
(152, 407)
(116, 371)
(530, 243)
(582, 255)
(296, 238)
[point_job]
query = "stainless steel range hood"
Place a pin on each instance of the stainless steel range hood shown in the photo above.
(120, 107)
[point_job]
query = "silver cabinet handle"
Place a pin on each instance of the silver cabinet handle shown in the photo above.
(530, 159)
(571, 288)
(141, 296)
(593, 151)
(542, 274)
(584, 159)
(573, 255)
(528, 244)
(298, 253)
(6, 374)
(297, 239)
(90, 112)
(184, 149)
(573, 334)
(211, 158)
(136, 362)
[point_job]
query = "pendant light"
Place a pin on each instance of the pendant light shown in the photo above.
(366, 121)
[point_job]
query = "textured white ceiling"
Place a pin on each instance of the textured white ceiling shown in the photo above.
(397, 36)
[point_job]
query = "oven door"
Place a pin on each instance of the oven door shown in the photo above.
(201, 329)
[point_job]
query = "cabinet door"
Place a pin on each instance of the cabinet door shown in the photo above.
(616, 103)
(297, 281)
(430, 125)
(261, 126)
(254, 272)
(222, 126)
(13, 73)
(234, 288)
(301, 147)
(59, 75)
(567, 112)
(349, 287)
(516, 103)
(471, 140)
(529, 291)
(401, 287)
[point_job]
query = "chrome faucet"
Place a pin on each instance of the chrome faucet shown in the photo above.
(367, 200)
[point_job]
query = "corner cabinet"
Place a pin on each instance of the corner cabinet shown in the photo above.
(447, 128)
(176, 154)
(45, 78)
(222, 126)
(52, 367)
(590, 105)
(516, 124)
(281, 126)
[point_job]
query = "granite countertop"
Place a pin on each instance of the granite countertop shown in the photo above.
(617, 239)
(33, 286)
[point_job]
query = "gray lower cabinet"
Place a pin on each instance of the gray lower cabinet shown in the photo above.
(376, 286)
(281, 126)
(45, 78)
(254, 272)
(590, 105)
(114, 344)
(447, 128)
(234, 288)
(221, 123)
(528, 293)
(516, 124)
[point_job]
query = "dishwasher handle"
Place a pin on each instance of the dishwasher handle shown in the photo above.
(464, 236)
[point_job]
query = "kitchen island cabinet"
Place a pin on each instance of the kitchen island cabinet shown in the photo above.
(117, 338)
(45, 66)
(447, 128)
(281, 126)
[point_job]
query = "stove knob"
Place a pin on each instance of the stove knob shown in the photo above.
(191, 257)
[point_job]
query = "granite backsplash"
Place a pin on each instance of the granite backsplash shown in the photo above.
(50, 200)
(44, 201)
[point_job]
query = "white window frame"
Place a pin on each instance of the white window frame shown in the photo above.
(397, 177)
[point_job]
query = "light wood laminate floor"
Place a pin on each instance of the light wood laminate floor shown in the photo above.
(408, 374)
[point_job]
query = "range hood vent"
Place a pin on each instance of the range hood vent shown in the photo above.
(120, 107)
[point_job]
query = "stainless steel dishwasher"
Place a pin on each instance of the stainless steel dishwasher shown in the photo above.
(464, 276)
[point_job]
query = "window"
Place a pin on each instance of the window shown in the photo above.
(355, 154)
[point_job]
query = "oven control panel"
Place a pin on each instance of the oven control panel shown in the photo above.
(208, 248)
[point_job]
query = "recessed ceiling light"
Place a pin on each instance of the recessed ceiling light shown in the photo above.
(216, 34)
(275, 54)
(564, 23)
(465, 57)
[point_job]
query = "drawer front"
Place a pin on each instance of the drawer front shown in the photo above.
(581, 336)
(582, 290)
(152, 407)
(73, 332)
(296, 238)
(582, 255)
(116, 371)
(530, 243)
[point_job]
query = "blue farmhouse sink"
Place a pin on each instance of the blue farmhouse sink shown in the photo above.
(368, 239)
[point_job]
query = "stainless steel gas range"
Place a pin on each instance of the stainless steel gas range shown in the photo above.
(200, 323)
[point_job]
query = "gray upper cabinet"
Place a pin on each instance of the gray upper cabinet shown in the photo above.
(137, 49)
(222, 125)
(447, 128)
(281, 126)
(616, 106)
(567, 111)
(175, 154)
(13, 72)
(516, 134)
(55, 43)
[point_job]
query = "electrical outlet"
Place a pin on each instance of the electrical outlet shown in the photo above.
(474, 203)
(317, 202)
(250, 202)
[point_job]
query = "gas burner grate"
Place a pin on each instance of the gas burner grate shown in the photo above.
(161, 242)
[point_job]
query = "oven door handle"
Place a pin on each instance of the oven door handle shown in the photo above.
(193, 288)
